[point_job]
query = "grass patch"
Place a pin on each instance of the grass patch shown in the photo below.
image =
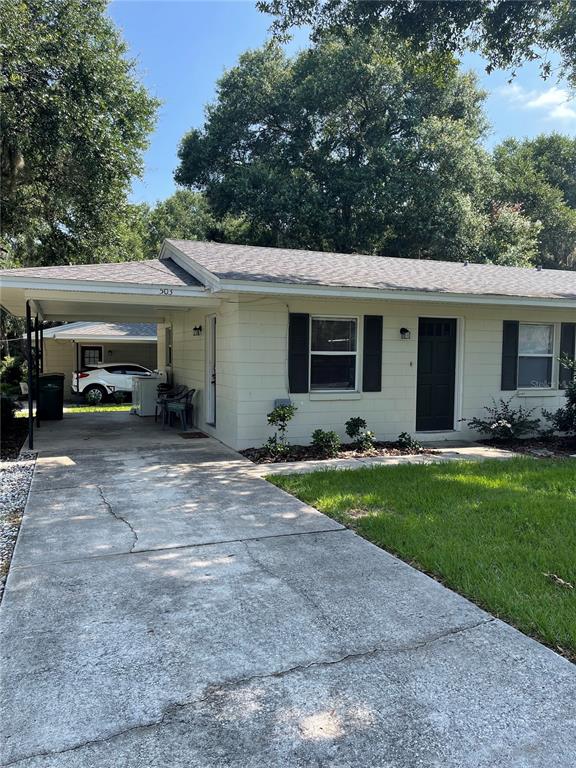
(502, 533)
(23, 414)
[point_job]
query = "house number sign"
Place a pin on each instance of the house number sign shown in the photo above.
(166, 291)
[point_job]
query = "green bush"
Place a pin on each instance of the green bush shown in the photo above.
(564, 419)
(119, 397)
(277, 446)
(408, 443)
(12, 370)
(7, 410)
(357, 430)
(326, 443)
(504, 422)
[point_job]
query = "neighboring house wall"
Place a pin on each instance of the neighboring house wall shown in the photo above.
(60, 356)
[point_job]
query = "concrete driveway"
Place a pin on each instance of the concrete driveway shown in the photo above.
(165, 607)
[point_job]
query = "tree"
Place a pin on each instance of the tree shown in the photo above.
(540, 175)
(74, 123)
(505, 32)
(361, 146)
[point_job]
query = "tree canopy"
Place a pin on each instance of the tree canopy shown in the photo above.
(75, 120)
(506, 32)
(360, 145)
(540, 176)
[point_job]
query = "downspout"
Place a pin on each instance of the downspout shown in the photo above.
(30, 380)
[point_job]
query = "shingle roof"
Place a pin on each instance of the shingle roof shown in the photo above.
(282, 265)
(152, 272)
(103, 330)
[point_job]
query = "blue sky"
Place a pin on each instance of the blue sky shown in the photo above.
(183, 46)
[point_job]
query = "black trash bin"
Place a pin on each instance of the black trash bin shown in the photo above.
(51, 396)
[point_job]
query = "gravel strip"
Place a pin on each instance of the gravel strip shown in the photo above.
(15, 478)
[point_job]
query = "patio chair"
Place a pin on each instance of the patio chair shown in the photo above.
(166, 393)
(181, 407)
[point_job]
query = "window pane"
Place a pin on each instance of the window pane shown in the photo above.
(535, 372)
(333, 335)
(333, 372)
(536, 339)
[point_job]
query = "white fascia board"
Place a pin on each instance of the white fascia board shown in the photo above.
(101, 286)
(209, 279)
(108, 339)
(321, 291)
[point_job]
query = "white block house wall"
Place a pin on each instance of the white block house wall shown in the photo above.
(252, 366)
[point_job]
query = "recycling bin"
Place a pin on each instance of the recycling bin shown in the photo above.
(51, 396)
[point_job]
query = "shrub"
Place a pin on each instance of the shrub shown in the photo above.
(8, 409)
(408, 443)
(277, 445)
(504, 422)
(119, 397)
(356, 429)
(12, 370)
(564, 419)
(326, 443)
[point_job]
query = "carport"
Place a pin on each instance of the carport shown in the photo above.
(122, 292)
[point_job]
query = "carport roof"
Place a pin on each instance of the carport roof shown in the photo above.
(151, 272)
(104, 331)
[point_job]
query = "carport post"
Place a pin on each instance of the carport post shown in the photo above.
(37, 368)
(30, 374)
(41, 347)
(77, 368)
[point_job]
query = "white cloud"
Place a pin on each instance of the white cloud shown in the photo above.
(554, 102)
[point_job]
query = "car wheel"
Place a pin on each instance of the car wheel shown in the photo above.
(94, 394)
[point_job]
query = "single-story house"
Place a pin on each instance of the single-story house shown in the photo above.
(411, 346)
(74, 345)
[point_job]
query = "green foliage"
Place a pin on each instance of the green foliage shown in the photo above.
(357, 430)
(119, 397)
(505, 33)
(279, 417)
(564, 419)
(538, 176)
(362, 145)
(326, 443)
(74, 123)
(408, 443)
(12, 370)
(503, 422)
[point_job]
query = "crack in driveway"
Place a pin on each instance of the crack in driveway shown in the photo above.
(212, 690)
(118, 517)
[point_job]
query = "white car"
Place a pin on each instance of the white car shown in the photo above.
(106, 378)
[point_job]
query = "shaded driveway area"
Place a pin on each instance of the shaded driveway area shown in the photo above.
(167, 607)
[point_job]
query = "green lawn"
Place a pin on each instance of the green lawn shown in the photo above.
(68, 409)
(489, 530)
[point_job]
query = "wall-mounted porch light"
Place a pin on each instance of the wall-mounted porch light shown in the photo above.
(197, 330)
(404, 334)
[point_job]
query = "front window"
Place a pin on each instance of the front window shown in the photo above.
(333, 353)
(535, 355)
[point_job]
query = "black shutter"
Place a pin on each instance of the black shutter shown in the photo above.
(298, 347)
(372, 362)
(509, 355)
(567, 346)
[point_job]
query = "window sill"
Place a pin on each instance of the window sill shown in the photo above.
(538, 392)
(335, 395)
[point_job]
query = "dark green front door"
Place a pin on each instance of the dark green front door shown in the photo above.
(436, 374)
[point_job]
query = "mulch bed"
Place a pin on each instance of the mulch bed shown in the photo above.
(347, 451)
(13, 436)
(553, 447)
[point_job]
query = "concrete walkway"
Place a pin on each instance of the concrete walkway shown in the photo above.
(167, 608)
